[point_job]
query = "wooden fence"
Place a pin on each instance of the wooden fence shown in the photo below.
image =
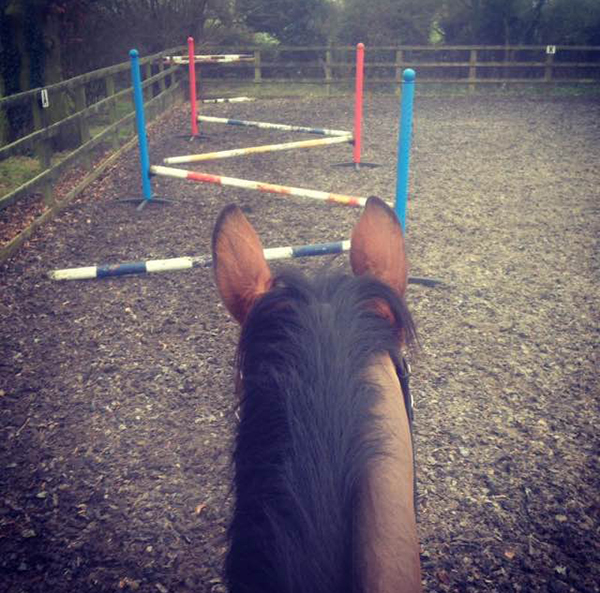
(100, 115)
(470, 65)
(97, 118)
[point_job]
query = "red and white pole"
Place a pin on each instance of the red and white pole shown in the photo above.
(192, 75)
(358, 104)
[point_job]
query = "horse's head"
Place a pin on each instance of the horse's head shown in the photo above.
(243, 275)
(323, 456)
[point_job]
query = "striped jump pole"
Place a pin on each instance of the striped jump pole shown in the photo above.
(210, 59)
(268, 126)
(258, 186)
(204, 261)
(404, 141)
(229, 100)
(223, 154)
(186, 263)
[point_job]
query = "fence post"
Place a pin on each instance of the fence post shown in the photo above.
(399, 62)
(472, 69)
(109, 82)
(43, 149)
(257, 69)
(82, 124)
(328, 72)
(548, 67)
(162, 85)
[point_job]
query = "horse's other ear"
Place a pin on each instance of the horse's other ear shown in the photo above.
(241, 271)
(377, 246)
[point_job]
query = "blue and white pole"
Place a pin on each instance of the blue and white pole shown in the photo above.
(404, 139)
(140, 123)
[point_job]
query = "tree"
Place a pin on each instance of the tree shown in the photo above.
(571, 22)
(490, 22)
(388, 22)
(290, 21)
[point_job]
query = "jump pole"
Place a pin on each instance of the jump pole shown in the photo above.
(269, 126)
(186, 263)
(358, 103)
(404, 142)
(358, 110)
(140, 124)
(229, 100)
(192, 77)
(205, 261)
(223, 154)
(258, 186)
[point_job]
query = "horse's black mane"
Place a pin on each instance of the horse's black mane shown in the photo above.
(307, 432)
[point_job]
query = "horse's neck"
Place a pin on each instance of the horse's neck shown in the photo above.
(387, 526)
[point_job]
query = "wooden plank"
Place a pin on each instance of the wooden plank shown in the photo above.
(15, 147)
(109, 82)
(30, 186)
(83, 78)
(9, 249)
(82, 124)
(257, 67)
(472, 69)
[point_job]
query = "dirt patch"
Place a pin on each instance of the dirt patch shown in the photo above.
(116, 396)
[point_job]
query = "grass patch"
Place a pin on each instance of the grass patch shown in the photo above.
(16, 171)
(229, 88)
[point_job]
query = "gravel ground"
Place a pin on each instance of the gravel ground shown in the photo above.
(116, 396)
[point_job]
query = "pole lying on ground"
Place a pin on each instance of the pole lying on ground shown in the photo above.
(268, 126)
(404, 140)
(229, 100)
(223, 154)
(205, 261)
(185, 263)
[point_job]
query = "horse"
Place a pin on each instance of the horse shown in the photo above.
(323, 455)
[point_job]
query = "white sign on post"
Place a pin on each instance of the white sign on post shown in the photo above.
(551, 49)
(44, 97)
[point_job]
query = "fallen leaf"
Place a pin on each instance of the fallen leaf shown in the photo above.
(561, 518)
(200, 508)
(443, 577)
(510, 554)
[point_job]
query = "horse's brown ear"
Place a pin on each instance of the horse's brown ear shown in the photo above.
(241, 271)
(378, 246)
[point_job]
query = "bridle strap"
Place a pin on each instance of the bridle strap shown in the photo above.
(403, 372)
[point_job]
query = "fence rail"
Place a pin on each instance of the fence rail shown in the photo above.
(470, 65)
(96, 110)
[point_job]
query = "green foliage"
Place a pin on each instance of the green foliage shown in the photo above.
(387, 22)
(499, 22)
(16, 171)
(571, 22)
(290, 21)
